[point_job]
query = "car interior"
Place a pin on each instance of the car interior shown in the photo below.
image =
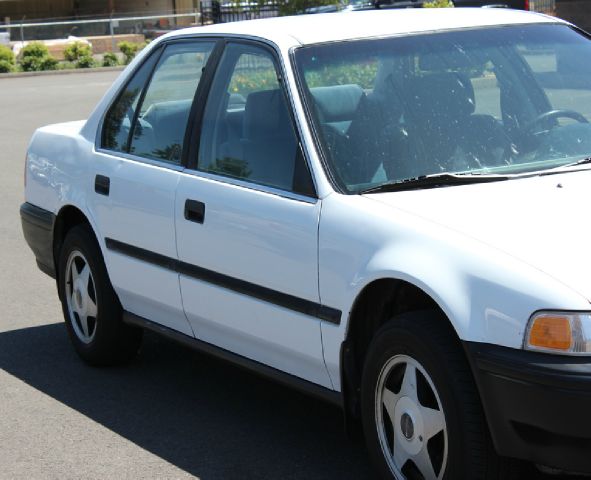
(427, 109)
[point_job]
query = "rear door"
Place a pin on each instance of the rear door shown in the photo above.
(247, 223)
(137, 169)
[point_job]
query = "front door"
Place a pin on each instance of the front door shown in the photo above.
(247, 223)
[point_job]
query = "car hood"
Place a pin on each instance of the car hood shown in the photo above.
(541, 220)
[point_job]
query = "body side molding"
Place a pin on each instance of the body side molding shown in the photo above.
(265, 294)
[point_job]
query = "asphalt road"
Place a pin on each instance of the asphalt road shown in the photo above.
(172, 413)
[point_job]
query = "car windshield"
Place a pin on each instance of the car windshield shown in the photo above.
(479, 102)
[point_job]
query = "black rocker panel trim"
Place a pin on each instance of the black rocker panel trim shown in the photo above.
(243, 362)
(269, 295)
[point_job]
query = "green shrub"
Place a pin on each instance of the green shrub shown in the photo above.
(85, 61)
(7, 62)
(129, 50)
(439, 4)
(35, 49)
(363, 75)
(76, 50)
(35, 57)
(6, 67)
(38, 64)
(110, 60)
(6, 54)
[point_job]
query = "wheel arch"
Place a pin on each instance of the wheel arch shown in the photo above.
(68, 217)
(377, 303)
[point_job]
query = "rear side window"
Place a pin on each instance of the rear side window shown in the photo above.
(160, 126)
(118, 121)
(156, 106)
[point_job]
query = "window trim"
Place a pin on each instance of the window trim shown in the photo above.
(248, 185)
(192, 164)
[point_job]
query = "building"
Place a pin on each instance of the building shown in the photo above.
(16, 10)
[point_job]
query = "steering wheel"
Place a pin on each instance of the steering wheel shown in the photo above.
(552, 115)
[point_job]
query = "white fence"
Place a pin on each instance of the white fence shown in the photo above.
(149, 25)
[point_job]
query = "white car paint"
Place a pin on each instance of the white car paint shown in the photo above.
(488, 281)
(526, 218)
(265, 239)
(140, 211)
(487, 294)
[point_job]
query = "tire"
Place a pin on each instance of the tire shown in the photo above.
(421, 413)
(90, 306)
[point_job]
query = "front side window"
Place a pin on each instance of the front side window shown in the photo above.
(494, 101)
(157, 110)
(247, 129)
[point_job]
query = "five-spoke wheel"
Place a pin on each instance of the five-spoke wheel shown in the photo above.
(90, 305)
(421, 413)
(81, 296)
(409, 419)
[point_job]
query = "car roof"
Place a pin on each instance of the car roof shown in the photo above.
(319, 28)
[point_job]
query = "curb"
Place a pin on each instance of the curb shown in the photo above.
(61, 72)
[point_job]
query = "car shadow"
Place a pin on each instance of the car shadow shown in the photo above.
(209, 418)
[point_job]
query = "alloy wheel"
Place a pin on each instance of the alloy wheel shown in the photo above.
(410, 421)
(81, 297)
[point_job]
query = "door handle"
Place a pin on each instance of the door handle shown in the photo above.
(194, 211)
(102, 185)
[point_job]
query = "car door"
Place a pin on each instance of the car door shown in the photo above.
(137, 165)
(247, 223)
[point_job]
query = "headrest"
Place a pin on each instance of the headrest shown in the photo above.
(442, 94)
(265, 114)
(338, 102)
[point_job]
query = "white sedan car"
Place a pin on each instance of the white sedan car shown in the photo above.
(386, 209)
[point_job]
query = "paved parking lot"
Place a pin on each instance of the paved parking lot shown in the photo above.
(172, 413)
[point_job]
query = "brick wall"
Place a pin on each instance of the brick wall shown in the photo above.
(104, 44)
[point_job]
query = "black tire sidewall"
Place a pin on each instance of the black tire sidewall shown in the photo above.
(105, 347)
(400, 337)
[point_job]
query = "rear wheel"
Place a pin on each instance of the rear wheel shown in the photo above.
(90, 306)
(421, 412)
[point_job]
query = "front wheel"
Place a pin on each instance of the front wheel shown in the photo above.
(421, 412)
(91, 308)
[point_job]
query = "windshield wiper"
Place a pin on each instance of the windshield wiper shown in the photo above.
(583, 161)
(434, 181)
(561, 168)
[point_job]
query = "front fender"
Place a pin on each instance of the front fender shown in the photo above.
(487, 295)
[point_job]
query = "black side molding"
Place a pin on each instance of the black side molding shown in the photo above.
(243, 287)
(38, 225)
(292, 381)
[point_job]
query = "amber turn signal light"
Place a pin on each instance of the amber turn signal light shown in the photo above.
(550, 332)
(559, 332)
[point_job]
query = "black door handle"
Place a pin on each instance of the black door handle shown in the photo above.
(102, 185)
(194, 211)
